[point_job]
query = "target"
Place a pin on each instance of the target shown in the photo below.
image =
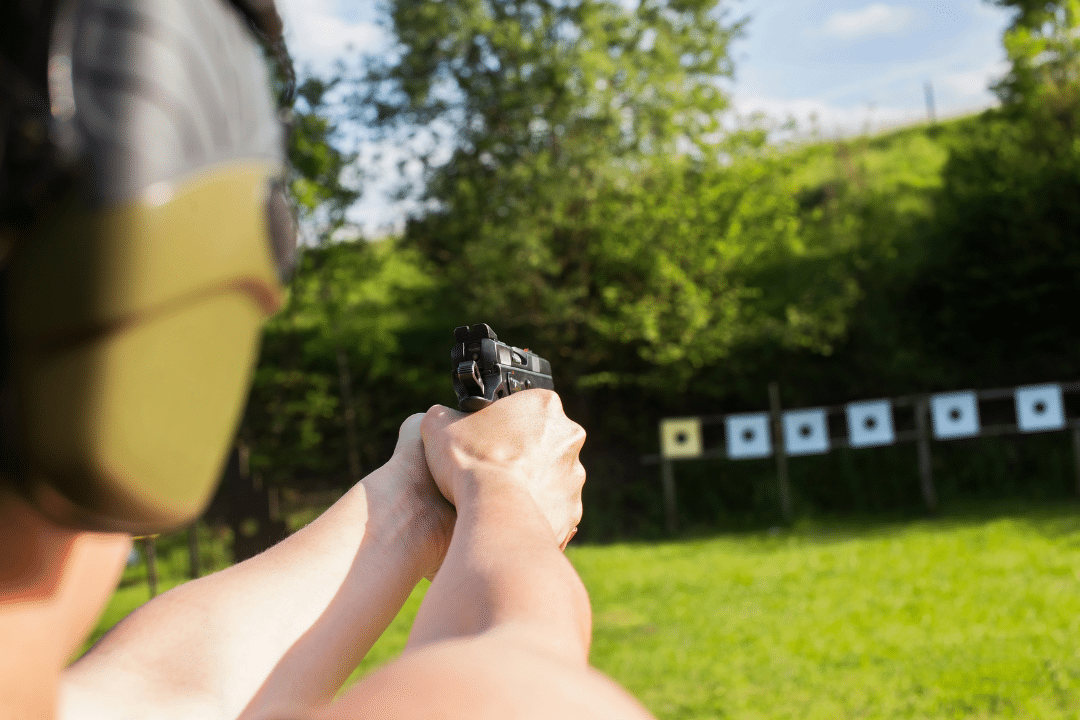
(680, 437)
(748, 436)
(870, 423)
(955, 415)
(806, 432)
(1039, 408)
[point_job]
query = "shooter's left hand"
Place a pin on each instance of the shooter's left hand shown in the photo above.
(409, 491)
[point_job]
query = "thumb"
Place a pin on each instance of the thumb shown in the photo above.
(409, 432)
(438, 418)
(432, 428)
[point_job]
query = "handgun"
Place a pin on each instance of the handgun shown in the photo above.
(485, 369)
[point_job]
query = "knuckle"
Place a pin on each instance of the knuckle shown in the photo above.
(433, 413)
(549, 398)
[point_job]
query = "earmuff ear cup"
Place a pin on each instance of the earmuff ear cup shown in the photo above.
(134, 333)
(134, 302)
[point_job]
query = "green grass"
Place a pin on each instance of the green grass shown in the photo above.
(963, 618)
(973, 616)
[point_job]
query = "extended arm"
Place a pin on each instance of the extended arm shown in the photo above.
(279, 633)
(504, 629)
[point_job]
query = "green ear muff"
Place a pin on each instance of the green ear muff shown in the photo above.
(134, 304)
(135, 330)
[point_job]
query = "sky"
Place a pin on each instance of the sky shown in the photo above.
(837, 67)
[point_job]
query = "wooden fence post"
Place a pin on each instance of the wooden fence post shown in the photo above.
(194, 566)
(150, 549)
(667, 477)
(926, 478)
(778, 448)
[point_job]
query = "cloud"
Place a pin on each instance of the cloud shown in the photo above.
(876, 19)
(317, 34)
(974, 83)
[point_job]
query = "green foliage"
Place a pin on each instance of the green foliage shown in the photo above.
(366, 297)
(591, 208)
(1006, 257)
(320, 185)
(561, 82)
(832, 322)
(1043, 47)
(593, 205)
(585, 205)
(332, 360)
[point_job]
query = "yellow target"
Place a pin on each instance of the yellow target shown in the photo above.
(680, 437)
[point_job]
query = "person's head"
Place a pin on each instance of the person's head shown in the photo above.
(144, 235)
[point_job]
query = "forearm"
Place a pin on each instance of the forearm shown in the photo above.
(504, 628)
(502, 632)
(281, 630)
(505, 572)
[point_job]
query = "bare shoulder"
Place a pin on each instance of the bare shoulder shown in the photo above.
(469, 678)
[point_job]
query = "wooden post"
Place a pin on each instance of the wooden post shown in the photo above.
(150, 548)
(1076, 452)
(926, 477)
(348, 415)
(778, 448)
(194, 566)
(667, 477)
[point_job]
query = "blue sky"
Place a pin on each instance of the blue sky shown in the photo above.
(858, 63)
(841, 66)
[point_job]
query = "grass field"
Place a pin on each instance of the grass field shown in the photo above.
(970, 616)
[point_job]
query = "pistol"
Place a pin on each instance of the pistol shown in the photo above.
(486, 369)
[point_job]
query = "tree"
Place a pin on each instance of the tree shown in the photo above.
(322, 191)
(325, 179)
(567, 122)
(518, 79)
(1007, 257)
(1043, 82)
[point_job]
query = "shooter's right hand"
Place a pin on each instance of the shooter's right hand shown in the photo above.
(521, 448)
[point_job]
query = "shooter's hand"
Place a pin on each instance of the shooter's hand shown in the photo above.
(408, 491)
(521, 446)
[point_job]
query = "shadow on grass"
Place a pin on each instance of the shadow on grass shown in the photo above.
(1055, 520)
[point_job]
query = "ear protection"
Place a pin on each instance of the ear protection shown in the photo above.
(143, 199)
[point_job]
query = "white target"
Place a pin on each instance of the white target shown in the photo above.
(806, 432)
(955, 415)
(870, 423)
(680, 437)
(1039, 408)
(748, 436)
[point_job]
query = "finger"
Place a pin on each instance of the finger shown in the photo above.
(409, 447)
(410, 429)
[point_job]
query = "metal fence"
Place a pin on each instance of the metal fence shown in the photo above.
(794, 432)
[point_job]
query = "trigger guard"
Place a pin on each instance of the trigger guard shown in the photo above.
(473, 403)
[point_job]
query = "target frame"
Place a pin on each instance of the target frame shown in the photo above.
(740, 445)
